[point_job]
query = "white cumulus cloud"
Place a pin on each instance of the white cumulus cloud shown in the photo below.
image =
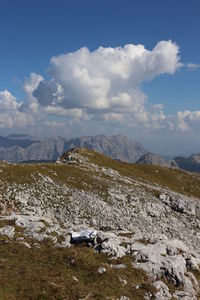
(99, 87)
(105, 81)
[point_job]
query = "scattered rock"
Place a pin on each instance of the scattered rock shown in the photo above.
(169, 259)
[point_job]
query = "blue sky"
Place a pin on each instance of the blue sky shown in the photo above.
(32, 32)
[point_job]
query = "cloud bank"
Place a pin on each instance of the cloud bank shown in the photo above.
(98, 89)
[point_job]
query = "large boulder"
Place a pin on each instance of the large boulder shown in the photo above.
(109, 243)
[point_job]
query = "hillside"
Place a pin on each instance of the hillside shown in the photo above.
(89, 227)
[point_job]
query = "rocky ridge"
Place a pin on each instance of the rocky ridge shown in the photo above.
(84, 197)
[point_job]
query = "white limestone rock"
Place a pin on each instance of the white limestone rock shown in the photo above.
(9, 231)
(101, 270)
(162, 291)
(168, 259)
(84, 235)
(110, 244)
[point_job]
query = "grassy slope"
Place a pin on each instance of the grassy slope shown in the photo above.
(180, 181)
(47, 273)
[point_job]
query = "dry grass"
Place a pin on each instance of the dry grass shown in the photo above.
(48, 273)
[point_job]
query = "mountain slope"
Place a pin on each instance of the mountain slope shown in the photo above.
(91, 227)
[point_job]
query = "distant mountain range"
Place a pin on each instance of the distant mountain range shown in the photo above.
(20, 140)
(19, 148)
(23, 148)
(156, 159)
(190, 163)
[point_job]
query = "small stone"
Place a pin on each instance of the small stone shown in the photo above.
(101, 270)
(119, 266)
(75, 278)
(26, 244)
(123, 281)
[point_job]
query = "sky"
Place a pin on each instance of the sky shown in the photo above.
(73, 68)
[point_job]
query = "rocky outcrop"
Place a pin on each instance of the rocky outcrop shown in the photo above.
(71, 157)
